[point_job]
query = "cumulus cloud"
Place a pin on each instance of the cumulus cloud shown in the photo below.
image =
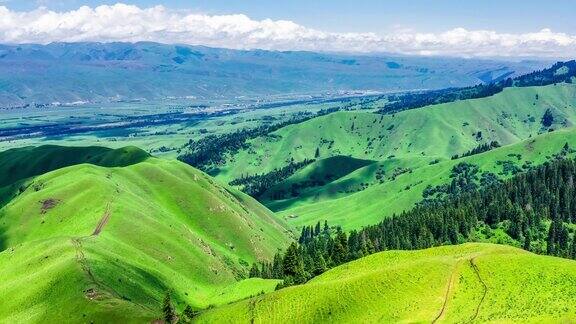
(130, 23)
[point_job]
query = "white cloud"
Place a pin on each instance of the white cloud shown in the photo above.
(122, 22)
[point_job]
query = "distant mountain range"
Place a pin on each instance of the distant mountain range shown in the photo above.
(91, 72)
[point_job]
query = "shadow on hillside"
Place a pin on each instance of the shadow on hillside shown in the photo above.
(2, 239)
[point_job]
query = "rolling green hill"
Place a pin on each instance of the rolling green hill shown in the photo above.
(317, 174)
(465, 283)
(434, 132)
(21, 163)
(87, 243)
(17, 165)
(400, 192)
(402, 144)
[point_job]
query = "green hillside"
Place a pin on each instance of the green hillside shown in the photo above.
(398, 193)
(433, 132)
(21, 163)
(88, 243)
(412, 148)
(317, 174)
(17, 165)
(464, 283)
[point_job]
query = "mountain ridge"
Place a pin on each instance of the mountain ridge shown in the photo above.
(158, 71)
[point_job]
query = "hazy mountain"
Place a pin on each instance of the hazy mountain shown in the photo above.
(69, 72)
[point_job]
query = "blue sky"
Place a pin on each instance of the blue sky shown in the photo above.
(513, 16)
(481, 28)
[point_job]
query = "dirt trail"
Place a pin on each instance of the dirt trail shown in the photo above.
(81, 258)
(447, 294)
(477, 271)
(103, 221)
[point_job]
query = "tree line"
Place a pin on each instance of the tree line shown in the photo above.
(257, 185)
(535, 209)
(210, 151)
(477, 150)
(559, 73)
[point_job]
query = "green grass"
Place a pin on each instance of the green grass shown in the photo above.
(22, 163)
(434, 132)
(18, 165)
(413, 286)
(407, 141)
(381, 200)
(168, 226)
(320, 173)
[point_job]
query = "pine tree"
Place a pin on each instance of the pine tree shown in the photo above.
(572, 254)
(326, 227)
(277, 267)
(254, 271)
(340, 252)
(551, 242)
(548, 118)
(293, 264)
(527, 242)
(168, 309)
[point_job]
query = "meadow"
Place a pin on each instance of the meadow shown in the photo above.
(410, 150)
(464, 283)
(108, 243)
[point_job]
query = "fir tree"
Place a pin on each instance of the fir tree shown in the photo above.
(293, 264)
(254, 271)
(168, 309)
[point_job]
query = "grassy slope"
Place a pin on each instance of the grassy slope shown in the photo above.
(350, 183)
(21, 163)
(18, 165)
(169, 226)
(410, 139)
(320, 173)
(393, 196)
(401, 286)
(434, 132)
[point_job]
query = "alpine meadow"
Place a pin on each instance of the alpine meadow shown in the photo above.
(263, 162)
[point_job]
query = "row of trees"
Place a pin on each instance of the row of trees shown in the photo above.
(414, 100)
(558, 73)
(257, 185)
(536, 209)
(210, 151)
(479, 149)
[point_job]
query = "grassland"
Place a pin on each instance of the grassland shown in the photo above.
(19, 165)
(317, 174)
(433, 132)
(403, 146)
(466, 283)
(87, 243)
(161, 128)
(398, 193)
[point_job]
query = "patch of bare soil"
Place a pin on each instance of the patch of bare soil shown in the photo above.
(48, 204)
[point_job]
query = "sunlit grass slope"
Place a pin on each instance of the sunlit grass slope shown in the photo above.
(401, 192)
(438, 131)
(318, 174)
(18, 165)
(412, 148)
(21, 163)
(466, 283)
(94, 244)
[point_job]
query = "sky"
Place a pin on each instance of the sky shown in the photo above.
(487, 28)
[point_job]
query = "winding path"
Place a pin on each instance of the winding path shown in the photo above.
(103, 221)
(477, 272)
(446, 295)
